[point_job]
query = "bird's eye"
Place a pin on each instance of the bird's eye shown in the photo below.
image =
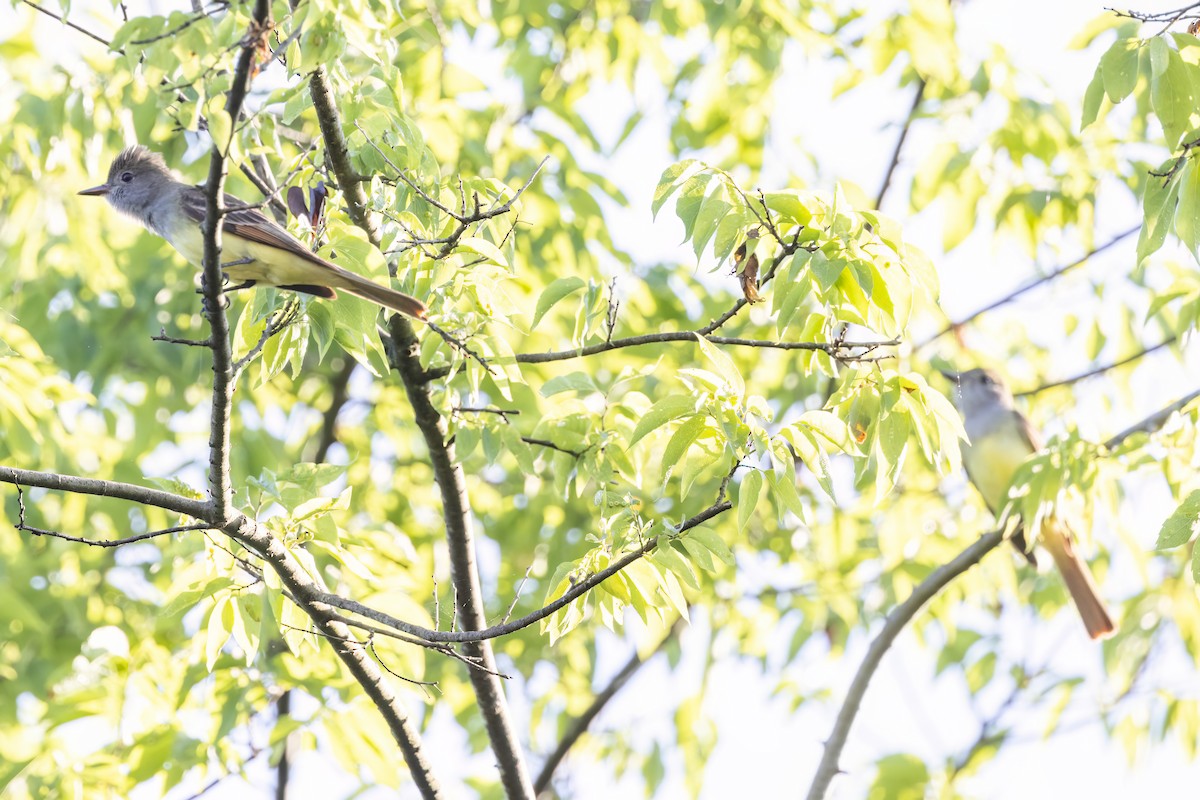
(126, 177)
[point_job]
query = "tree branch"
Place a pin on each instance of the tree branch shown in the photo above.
(899, 617)
(354, 655)
(339, 387)
(1091, 373)
(1153, 422)
(197, 509)
(923, 593)
(405, 358)
(580, 725)
(576, 591)
(1013, 295)
(306, 593)
(220, 488)
(140, 537)
(70, 24)
(895, 161)
(838, 350)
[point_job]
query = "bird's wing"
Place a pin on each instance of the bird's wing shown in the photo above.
(1028, 432)
(250, 224)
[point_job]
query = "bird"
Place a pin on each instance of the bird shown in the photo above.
(1001, 439)
(258, 251)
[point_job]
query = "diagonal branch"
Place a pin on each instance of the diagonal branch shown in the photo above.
(405, 358)
(895, 161)
(575, 592)
(899, 617)
(1153, 422)
(902, 614)
(70, 24)
(353, 654)
(1013, 295)
(580, 724)
(306, 593)
(1091, 373)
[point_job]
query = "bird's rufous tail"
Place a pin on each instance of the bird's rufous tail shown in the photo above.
(380, 295)
(1057, 539)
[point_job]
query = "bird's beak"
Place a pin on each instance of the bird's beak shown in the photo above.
(950, 376)
(98, 191)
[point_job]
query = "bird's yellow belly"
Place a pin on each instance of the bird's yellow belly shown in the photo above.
(269, 266)
(992, 461)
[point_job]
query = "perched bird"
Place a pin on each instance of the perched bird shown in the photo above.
(141, 186)
(1001, 440)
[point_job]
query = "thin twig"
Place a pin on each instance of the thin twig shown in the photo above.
(162, 337)
(192, 20)
(503, 412)
(552, 446)
(141, 537)
(517, 596)
(460, 345)
(720, 506)
(581, 723)
(1091, 373)
(1013, 295)
(276, 323)
(70, 24)
(895, 160)
(254, 753)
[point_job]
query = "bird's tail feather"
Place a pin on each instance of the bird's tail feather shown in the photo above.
(375, 293)
(1057, 539)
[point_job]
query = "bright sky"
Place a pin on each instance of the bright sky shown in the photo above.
(764, 749)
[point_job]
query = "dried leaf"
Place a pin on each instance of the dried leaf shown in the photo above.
(316, 197)
(749, 279)
(295, 202)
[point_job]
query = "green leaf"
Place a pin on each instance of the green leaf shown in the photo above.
(691, 198)
(1187, 212)
(671, 177)
(1160, 54)
(1180, 527)
(748, 494)
(484, 248)
(1196, 565)
(662, 412)
(713, 542)
(1158, 204)
(712, 212)
(188, 598)
(900, 777)
(571, 382)
(669, 558)
(1119, 66)
(724, 364)
(682, 439)
(12, 769)
(790, 206)
(220, 623)
(1173, 95)
(220, 124)
(555, 292)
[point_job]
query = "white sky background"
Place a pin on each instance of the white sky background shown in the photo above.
(764, 750)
